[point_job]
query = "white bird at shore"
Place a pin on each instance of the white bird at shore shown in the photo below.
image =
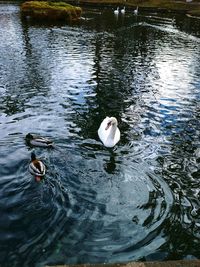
(116, 11)
(136, 11)
(123, 10)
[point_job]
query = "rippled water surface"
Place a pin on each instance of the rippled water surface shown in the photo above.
(138, 201)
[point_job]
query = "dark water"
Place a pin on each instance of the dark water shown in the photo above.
(139, 201)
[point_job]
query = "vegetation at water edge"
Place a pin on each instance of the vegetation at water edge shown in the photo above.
(52, 11)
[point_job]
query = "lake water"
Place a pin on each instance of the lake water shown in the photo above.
(138, 201)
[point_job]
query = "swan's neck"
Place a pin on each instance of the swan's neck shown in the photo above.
(112, 132)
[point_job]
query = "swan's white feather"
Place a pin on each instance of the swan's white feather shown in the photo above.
(116, 11)
(111, 136)
(123, 10)
(136, 11)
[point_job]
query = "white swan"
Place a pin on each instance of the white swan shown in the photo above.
(123, 10)
(108, 132)
(136, 11)
(116, 11)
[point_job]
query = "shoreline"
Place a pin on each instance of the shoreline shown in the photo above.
(191, 9)
(160, 6)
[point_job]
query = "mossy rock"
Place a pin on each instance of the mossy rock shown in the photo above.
(50, 11)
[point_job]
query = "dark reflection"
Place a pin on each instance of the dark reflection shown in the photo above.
(36, 71)
(25, 72)
(12, 105)
(110, 166)
(181, 240)
(179, 170)
(188, 25)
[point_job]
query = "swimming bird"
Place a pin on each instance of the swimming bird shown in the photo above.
(116, 11)
(108, 132)
(36, 140)
(123, 10)
(136, 11)
(37, 168)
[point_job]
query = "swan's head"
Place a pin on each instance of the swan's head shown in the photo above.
(112, 121)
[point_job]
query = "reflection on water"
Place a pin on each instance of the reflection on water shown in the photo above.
(138, 201)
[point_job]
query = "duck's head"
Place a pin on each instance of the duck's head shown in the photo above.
(111, 122)
(29, 136)
(33, 156)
